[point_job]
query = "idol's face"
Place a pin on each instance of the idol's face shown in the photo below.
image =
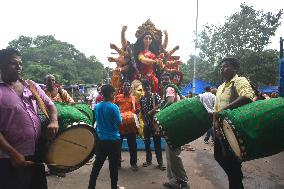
(166, 80)
(138, 91)
(147, 89)
(126, 87)
(147, 40)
